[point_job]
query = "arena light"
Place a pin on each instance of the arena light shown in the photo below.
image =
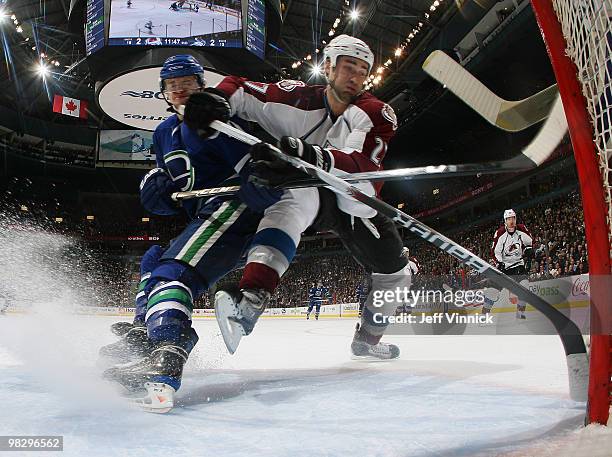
(145, 219)
(19, 29)
(316, 70)
(90, 218)
(42, 69)
(354, 15)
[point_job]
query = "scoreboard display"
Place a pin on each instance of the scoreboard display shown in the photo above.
(180, 23)
(255, 27)
(94, 26)
(176, 23)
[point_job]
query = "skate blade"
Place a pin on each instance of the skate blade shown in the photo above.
(371, 358)
(230, 331)
(159, 398)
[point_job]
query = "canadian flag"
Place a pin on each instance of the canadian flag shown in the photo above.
(70, 106)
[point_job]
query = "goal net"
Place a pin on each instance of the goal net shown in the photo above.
(578, 36)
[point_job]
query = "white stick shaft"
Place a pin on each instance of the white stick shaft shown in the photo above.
(235, 133)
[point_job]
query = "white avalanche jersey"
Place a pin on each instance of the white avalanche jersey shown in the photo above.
(357, 140)
(508, 248)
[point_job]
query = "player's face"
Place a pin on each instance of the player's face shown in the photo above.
(178, 90)
(348, 77)
(511, 223)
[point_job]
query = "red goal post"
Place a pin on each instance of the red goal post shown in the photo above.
(578, 37)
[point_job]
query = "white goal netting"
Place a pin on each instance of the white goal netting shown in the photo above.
(587, 29)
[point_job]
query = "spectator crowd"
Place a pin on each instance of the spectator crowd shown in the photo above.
(556, 225)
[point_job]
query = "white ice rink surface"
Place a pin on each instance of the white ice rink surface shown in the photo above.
(292, 390)
(127, 22)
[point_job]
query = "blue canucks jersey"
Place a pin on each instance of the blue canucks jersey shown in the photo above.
(318, 293)
(214, 159)
(361, 292)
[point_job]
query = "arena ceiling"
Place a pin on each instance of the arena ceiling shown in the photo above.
(385, 25)
(306, 24)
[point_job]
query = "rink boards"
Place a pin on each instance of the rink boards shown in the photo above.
(563, 293)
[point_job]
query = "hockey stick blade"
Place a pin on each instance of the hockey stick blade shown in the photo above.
(508, 115)
(571, 337)
(536, 152)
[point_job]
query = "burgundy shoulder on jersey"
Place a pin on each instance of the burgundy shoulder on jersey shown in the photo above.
(381, 114)
(524, 229)
(287, 92)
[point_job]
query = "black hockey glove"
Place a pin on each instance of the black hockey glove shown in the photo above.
(313, 154)
(204, 107)
(271, 171)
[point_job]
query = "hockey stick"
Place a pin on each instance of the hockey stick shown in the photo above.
(536, 152)
(428, 172)
(569, 333)
(511, 116)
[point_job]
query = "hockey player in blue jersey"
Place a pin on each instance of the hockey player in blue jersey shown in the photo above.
(361, 292)
(211, 245)
(316, 295)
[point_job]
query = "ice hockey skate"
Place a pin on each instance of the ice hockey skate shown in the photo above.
(159, 374)
(121, 328)
(369, 347)
(134, 344)
(237, 313)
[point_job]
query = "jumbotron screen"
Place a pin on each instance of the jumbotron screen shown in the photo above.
(216, 23)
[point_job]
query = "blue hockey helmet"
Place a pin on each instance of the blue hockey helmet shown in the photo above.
(181, 65)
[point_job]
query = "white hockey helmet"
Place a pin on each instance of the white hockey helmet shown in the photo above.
(345, 45)
(509, 213)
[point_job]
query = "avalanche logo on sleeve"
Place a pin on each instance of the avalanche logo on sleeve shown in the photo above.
(388, 113)
(289, 84)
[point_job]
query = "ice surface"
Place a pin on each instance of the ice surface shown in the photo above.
(292, 389)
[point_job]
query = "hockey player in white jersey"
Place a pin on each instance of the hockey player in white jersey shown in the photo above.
(512, 245)
(413, 263)
(336, 127)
